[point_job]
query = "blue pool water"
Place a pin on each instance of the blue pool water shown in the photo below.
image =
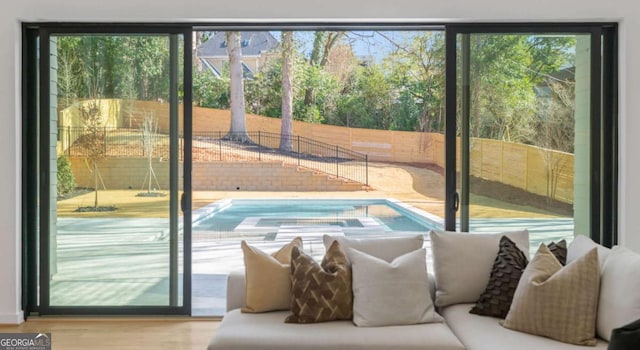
(265, 216)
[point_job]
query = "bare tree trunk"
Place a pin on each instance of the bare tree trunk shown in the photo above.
(286, 130)
(238, 130)
(95, 183)
(197, 41)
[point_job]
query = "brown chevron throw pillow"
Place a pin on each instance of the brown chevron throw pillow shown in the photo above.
(320, 293)
(506, 272)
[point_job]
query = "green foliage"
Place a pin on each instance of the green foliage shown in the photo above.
(402, 91)
(66, 182)
(325, 90)
(209, 91)
(417, 72)
(367, 100)
(263, 91)
(503, 76)
(129, 67)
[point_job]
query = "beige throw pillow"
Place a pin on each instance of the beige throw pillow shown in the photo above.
(268, 280)
(462, 263)
(555, 301)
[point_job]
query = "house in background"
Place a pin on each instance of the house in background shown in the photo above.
(257, 49)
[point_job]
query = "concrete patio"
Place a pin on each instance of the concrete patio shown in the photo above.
(125, 261)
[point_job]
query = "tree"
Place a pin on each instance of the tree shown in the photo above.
(209, 91)
(323, 43)
(286, 130)
(238, 129)
(131, 66)
(505, 69)
(66, 182)
(555, 130)
(93, 140)
(69, 71)
(416, 70)
(366, 102)
(149, 139)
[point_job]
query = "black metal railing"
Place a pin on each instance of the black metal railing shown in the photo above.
(222, 146)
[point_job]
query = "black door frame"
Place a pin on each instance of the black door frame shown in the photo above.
(36, 41)
(603, 120)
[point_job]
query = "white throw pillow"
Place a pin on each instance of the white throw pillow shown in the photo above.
(396, 293)
(582, 244)
(619, 291)
(385, 248)
(462, 263)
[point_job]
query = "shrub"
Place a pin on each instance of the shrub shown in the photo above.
(66, 183)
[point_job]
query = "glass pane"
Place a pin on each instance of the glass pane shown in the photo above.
(367, 110)
(112, 228)
(528, 112)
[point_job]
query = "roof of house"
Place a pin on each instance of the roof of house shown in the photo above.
(253, 44)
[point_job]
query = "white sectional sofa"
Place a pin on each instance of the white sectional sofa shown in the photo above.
(461, 329)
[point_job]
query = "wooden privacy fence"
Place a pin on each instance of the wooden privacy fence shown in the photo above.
(540, 171)
(533, 169)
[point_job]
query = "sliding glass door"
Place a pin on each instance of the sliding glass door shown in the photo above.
(505, 126)
(531, 120)
(113, 237)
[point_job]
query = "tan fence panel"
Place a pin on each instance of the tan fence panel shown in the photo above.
(514, 165)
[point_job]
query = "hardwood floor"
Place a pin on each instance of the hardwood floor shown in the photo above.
(121, 333)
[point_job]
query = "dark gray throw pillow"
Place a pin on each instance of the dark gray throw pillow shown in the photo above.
(506, 272)
(559, 250)
(626, 337)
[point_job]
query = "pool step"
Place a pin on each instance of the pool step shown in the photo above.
(290, 232)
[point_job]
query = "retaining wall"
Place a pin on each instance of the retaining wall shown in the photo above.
(130, 173)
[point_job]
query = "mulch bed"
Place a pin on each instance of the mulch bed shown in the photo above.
(506, 193)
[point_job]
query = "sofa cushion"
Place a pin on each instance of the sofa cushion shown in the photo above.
(555, 301)
(395, 293)
(385, 248)
(619, 291)
(581, 245)
(507, 268)
(320, 292)
(235, 289)
(462, 263)
(267, 331)
(268, 281)
(485, 333)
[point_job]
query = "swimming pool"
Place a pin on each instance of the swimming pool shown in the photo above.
(271, 217)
